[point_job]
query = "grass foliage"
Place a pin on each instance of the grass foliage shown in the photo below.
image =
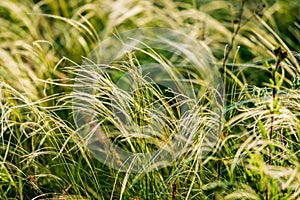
(257, 156)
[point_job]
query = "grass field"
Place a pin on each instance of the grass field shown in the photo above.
(251, 49)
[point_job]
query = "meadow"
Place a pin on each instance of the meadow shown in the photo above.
(235, 112)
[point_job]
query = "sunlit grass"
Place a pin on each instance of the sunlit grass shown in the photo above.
(42, 48)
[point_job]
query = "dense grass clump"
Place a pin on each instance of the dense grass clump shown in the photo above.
(45, 54)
